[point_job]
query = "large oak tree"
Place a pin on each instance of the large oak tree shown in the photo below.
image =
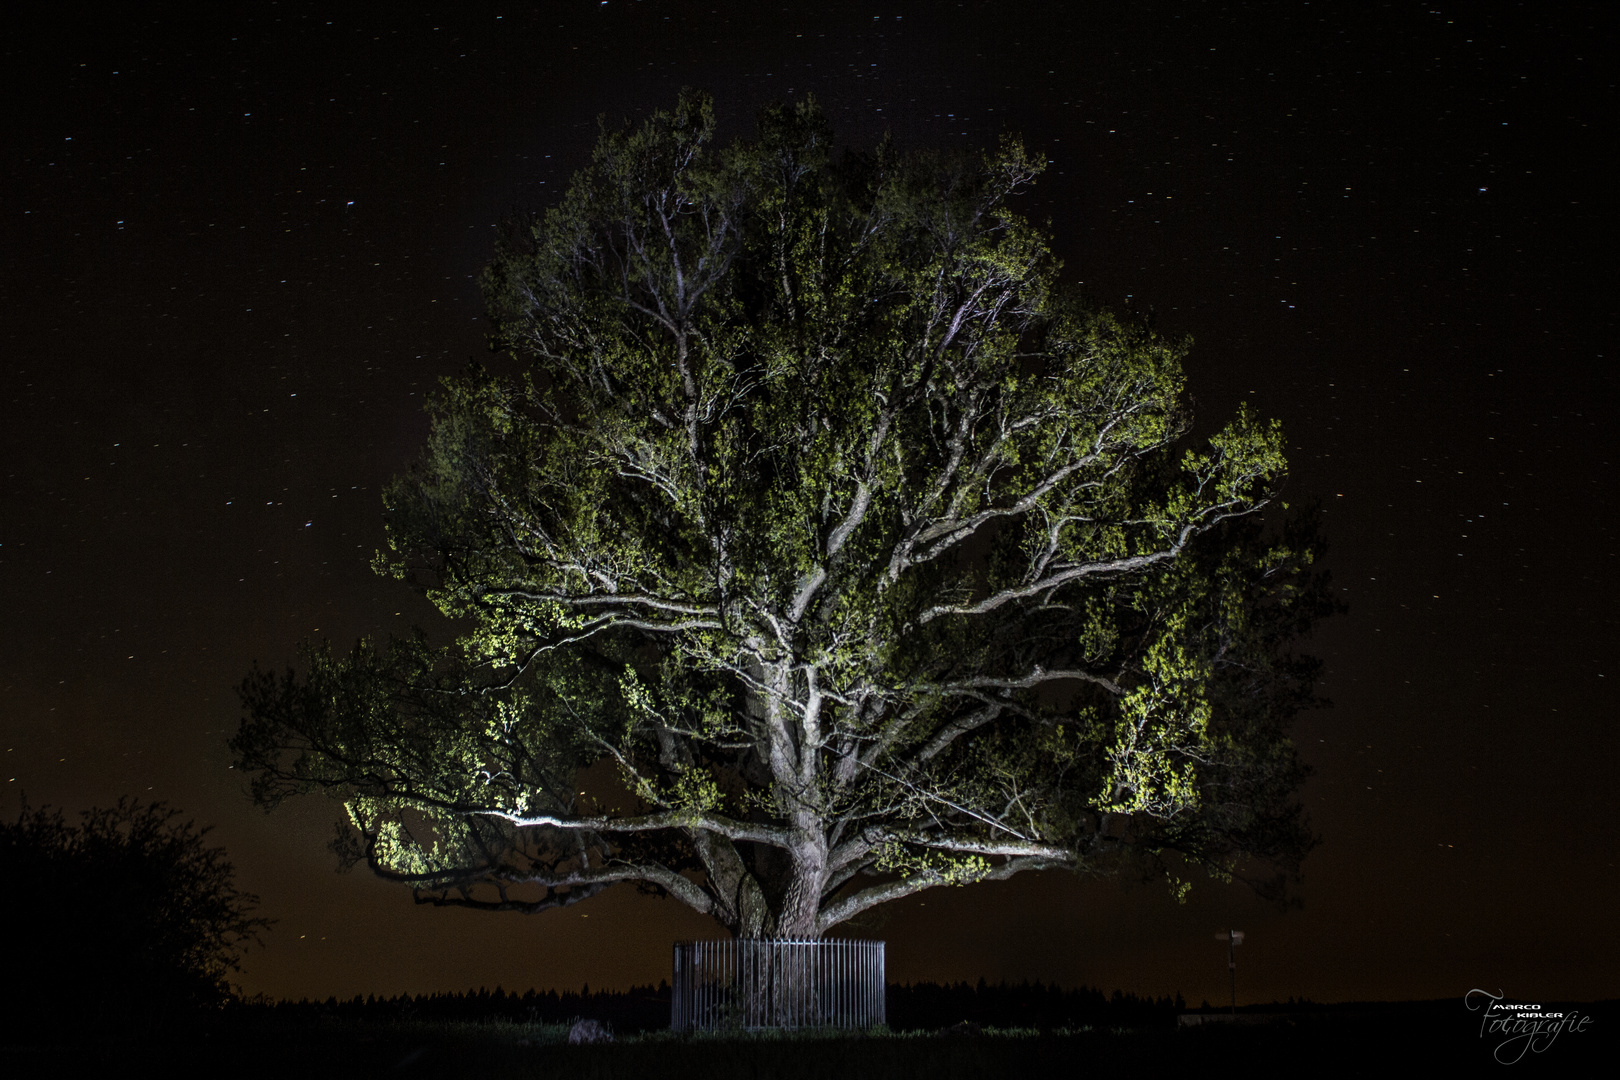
(825, 548)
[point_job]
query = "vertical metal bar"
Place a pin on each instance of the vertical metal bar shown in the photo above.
(851, 1001)
(880, 984)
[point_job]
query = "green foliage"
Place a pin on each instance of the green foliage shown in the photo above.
(829, 537)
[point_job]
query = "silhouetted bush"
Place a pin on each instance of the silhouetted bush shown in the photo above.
(122, 923)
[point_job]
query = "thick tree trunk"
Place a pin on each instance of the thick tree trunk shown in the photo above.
(800, 913)
(771, 899)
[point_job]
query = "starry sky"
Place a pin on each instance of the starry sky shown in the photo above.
(238, 246)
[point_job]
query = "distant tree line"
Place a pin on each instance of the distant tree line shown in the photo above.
(930, 1006)
(924, 1006)
(640, 1008)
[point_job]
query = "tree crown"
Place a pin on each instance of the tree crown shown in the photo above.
(860, 552)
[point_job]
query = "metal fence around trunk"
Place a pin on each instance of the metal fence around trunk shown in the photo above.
(776, 983)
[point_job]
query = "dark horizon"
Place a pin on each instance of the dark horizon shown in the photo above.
(240, 247)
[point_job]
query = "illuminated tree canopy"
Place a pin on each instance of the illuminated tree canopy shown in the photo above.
(826, 548)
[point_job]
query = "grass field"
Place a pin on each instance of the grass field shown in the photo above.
(1298, 1047)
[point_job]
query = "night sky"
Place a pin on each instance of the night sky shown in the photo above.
(239, 245)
